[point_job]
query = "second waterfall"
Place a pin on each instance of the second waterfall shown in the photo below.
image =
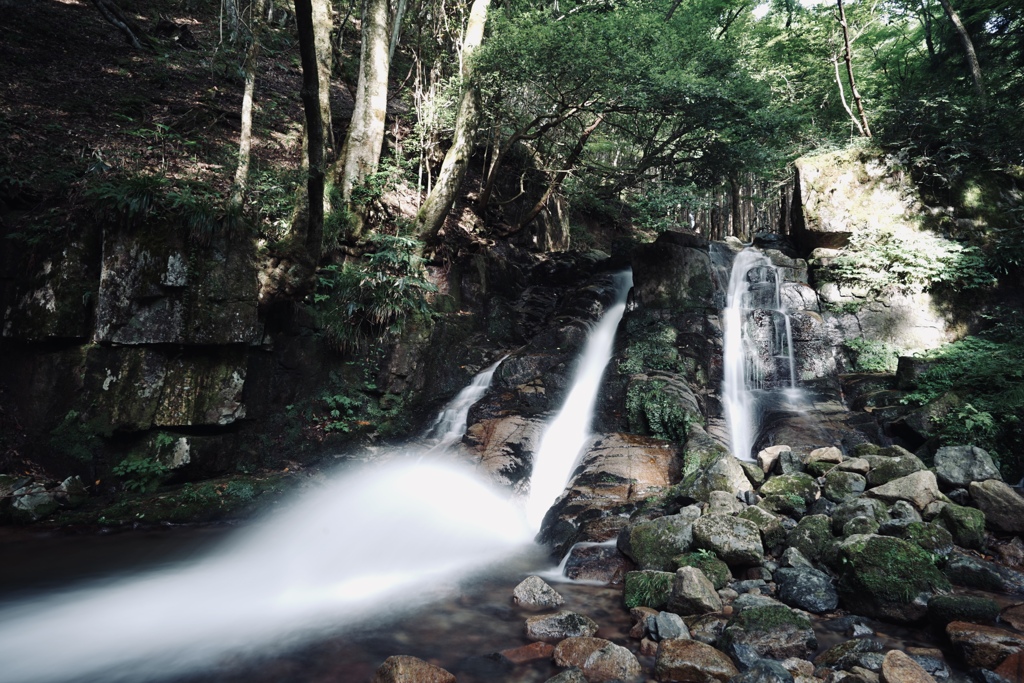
(758, 361)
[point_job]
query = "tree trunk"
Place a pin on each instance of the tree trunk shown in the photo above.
(439, 202)
(969, 53)
(245, 138)
(737, 221)
(842, 97)
(322, 25)
(849, 69)
(314, 222)
(361, 154)
(233, 19)
(560, 176)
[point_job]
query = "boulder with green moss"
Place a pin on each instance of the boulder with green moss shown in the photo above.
(708, 466)
(773, 631)
(812, 536)
(842, 486)
(887, 578)
(859, 507)
(798, 484)
(966, 524)
(716, 570)
(773, 533)
(736, 541)
(884, 468)
(929, 537)
(654, 544)
(943, 609)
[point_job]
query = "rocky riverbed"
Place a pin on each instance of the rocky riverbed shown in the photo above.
(860, 567)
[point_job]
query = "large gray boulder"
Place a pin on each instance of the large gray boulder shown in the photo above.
(736, 541)
(534, 591)
(693, 593)
(692, 660)
(919, 489)
(772, 630)
(1003, 506)
(958, 466)
(807, 589)
(554, 627)
(653, 544)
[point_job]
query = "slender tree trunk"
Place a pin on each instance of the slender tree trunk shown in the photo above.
(361, 154)
(245, 138)
(968, 45)
(737, 220)
(842, 97)
(848, 55)
(314, 223)
(233, 18)
(322, 25)
(439, 202)
(396, 29)
(560, 176)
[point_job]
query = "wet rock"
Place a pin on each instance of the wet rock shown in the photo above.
(529, 653)
(966, 524)
(983, 646)
(736, 541)
(568, 676)
(693, 593)
(960, 465)
(573, 652)
(707, 628)
(943, 609)
(929, 537)
(765, 671)
(812, 536)
(789, 463)
(807, 589)
(972, 572)
(886, 577)
(856, 465)
(655, 543)
(793, 507)
(724, 503)
(640, 616)
(847, 654)
(32, 502)
(884, 469)
(773, 533)
(406, 669)
(755, 475)
(1012, 668)
(648, 589)
(842, 486)
(827, 454)
(691, 660)
(552, 627)
(799, 485)
(612, 663)
(1003, 506)
(674, 272)
(708, 466)
(918, 489)
(597, 563)
(716, 570)
(773, 631)
(666, 626)
(501, 447)
(902, 512)
(767, 457)
(533, 591)
(1014, 616)
(794, 558)
(859, 507)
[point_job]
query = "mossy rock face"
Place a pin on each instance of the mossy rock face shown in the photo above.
(789, 506)
(797, 484)
(656, 543)
(886, 468)
(773, 631)
(862, 449)
(812, 536)
(773, 533)
(818, 468)
(929, 537)
(966, 524)
(716, 570)
(859, 507)
(661, 406)
(708, 466)
(886, 577)
(648, 589)
(943, 609)
(842, 486)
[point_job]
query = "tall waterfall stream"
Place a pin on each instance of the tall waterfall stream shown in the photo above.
(365, 547)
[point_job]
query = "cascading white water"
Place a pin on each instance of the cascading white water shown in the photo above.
(391, 535)
(451, 422)
(751, 365)
(565, 435)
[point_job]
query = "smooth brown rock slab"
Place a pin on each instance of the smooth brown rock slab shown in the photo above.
(529, 653)
(1003, 507)
(898, 667)
(552, 627)
(1012, 668)
(919, 489)
(574, 651)
(690, 661)
(984, 646)
(1014, 616)
(406, 669)
(612, 663)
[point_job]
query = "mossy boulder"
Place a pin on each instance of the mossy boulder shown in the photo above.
(929, 537)
(735, 540)
(716, 570)
(797, 484)
(654, 544)
(943, 609)
(790, 505)
(708, 466)
(842, 486)
(966, 524)
(886, 577)
(812, 536)
(773, 631)
(884, 469)
(773, 533)
(662, 406)
(859, 507)
(648, 589)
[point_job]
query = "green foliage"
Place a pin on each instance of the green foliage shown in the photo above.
(351, 403)
(648, 589)
(141, 473)
(882, 260)
(656, 412)
(358, 304)
(986, 372)
(870, 355)
(74, 438)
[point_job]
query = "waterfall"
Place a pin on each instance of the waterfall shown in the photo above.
(758, 349)
(560, 445)
(387, 537)
(450, 424)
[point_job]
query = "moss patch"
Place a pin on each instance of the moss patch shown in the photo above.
(648, 589)
(716, 570)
